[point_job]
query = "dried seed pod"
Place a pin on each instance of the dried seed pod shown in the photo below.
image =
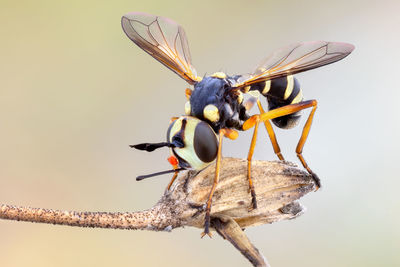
(278, 185)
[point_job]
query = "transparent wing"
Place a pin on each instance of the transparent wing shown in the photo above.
(296, 58)
(163, 39)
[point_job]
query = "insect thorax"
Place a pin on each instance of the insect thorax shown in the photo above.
(214, 101)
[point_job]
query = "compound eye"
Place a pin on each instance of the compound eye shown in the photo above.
(205, 142)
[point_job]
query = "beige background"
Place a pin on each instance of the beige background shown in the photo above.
(75, 92)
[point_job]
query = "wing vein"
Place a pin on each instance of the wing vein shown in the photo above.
(294, 59)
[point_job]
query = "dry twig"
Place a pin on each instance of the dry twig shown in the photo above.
(278, 185)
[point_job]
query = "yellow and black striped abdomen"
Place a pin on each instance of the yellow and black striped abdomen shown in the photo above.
(285, 90)
(281, 92)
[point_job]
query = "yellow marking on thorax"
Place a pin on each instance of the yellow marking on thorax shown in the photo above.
(211, 113)
(266, 87)
(289, 87)
(298, 98)
(188, 108)
(246, 89)
(219, 75)
(240, 97)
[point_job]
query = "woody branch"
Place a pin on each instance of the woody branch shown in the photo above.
(278, 186)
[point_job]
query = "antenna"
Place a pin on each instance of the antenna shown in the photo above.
(141, 177)
(149, 147)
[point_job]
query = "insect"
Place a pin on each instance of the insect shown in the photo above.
(215, 107)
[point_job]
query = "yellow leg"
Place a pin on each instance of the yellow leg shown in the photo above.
(249, 157)
(302, 141)
(216, 178)
(286, 110)
(172, 180)
(271, 133)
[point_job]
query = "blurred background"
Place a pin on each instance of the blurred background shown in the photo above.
(75, 92)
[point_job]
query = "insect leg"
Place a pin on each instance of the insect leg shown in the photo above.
(286, 110)
(216, 178)
(271, 133)
(302, 141)
(249, 157)
(172, 180)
